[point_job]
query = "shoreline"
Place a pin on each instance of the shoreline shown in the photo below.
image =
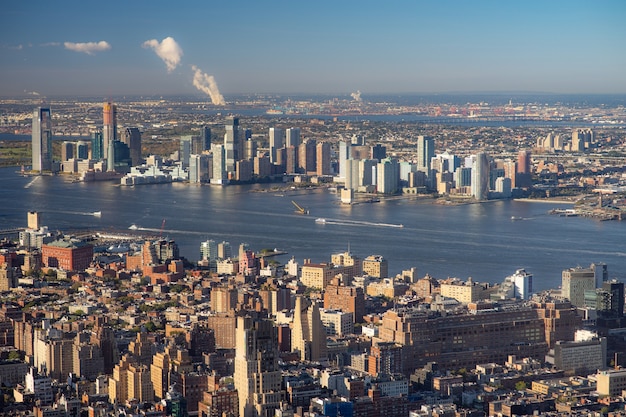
(544, 200)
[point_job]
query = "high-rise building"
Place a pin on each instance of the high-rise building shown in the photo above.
(67, 151)
(219, 165)
(323, 158)
(308, 336)
(292, 137)
(82, 150)
(378, 152)
(388, 176)
(109, 125)
(257, 374)
(277, 141)
(205, 134)
(198, 168)
(575, 281)
(523, 177)
(232, 143)
(425, 152)
(42, 140)
(480, 177)
(132, 138)
(307, 152)
(523, 282)
(97, 145)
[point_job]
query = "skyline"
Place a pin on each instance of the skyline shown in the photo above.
(213, 50)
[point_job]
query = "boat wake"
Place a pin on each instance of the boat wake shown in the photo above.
(354, 223)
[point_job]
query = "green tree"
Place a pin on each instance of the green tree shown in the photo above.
(521, 386)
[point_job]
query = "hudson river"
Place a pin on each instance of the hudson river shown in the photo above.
(473, 240)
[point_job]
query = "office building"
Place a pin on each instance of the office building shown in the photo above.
(97, 145)
(198, 168)
(205, 135)
(575, 281)
(425, 152)
(292, 137)
(131, 137)
(82, 150)
(42, 140)
(579, 357)
(277, 141)
(232, 143)
(258, 378)
(378, 152)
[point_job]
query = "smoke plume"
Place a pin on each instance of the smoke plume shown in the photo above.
(206, 84)
(356, 96)
(168, 50)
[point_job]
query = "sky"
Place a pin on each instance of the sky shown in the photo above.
(216, 48)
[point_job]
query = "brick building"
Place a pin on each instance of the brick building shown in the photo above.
(70, 255)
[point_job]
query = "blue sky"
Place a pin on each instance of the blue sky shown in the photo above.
(90, 48)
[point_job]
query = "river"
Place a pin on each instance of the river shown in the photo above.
(472, 240)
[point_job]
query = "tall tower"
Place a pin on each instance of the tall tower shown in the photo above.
(257, 375)
(523, 176)
(277, 141)
(308, 336)
(132, 138)
(425, 152)
(205, 134)
(323, 158)
(109, 125)
(42, 140)
(292, 137)
(232, 143)
(480, 177)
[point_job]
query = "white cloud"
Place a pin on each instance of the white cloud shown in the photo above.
(88, 48)
(168, 50)
(206, 83)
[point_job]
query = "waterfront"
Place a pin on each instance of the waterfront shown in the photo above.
(473, 240)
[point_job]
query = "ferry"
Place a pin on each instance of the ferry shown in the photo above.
(320, 220)
(133, 227)
(97, 213)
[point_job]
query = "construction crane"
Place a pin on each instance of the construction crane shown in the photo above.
(299, 209)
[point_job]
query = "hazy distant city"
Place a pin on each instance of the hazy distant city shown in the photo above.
(121, 322)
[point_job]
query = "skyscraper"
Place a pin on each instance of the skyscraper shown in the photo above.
(323, 158)
(480, 177)
(308, 336)
(523, 176)
(132, 138)
(425, 152)
(277, 141)
(292, 137)
(232, 144)
(205, 134)
(97, 145)
(257, 375)
(109, 125)
(42, 140)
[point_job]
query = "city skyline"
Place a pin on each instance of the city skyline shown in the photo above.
(214, 50)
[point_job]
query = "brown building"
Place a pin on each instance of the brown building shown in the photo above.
(69, 255)
(223, 325)
(347, 299)
(462, 340)
(220, 403)
(376, 266)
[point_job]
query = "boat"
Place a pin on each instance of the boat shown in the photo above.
(97, 213)
(133, 227)
(320, 220)
(516, 218)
